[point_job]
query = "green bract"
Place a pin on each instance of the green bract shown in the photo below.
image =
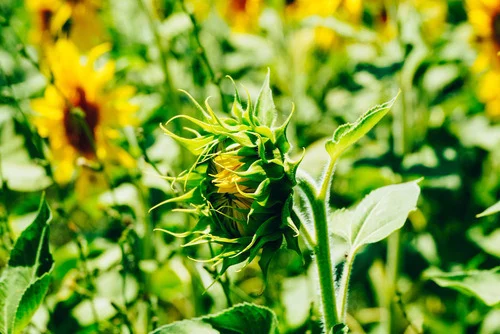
(241, 184)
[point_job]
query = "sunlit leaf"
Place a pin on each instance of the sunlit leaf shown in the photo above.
(348, 134)
(482, 284)
(243, 318)
(490, 211)
(379, 214)
(265, 110)
(489, 243)
(25, 281)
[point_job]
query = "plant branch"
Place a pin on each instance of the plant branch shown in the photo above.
(322, 249)
(163, 57)
(215, 78)
(344, 286)
(305, 233)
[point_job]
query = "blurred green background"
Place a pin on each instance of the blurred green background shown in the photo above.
(331, 60)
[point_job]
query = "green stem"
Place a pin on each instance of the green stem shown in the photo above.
(304, 231)
(318, 203)
(344, 286)
(325, 265)
(327, 178)
(215, 78)
(323, 251)
(225, 283)
(163, 57)
(88, 278)
(392, 272)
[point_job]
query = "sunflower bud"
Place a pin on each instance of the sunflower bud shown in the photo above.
(241, 185)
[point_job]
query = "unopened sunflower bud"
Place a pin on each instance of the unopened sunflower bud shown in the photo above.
(241, 185)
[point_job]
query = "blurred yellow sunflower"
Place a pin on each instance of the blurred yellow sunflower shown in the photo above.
(76, 20)
(79, 114)
(383, 24)
(484, 15)
(489, 92)
(346, 10)
(433, 15)
(46, 19)
(240, 15)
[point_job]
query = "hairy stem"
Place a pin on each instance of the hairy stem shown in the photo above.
(344, 287)
(323, 250)
(304, 231)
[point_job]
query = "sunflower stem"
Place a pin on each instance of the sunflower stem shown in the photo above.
(322, 248)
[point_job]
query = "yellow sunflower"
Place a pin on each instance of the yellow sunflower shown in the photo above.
(76, 20)
(383, 25)
(433, 17)
(489, 92)
(484, 15)
(241, 15)
(79, 114)
(47, 20)
(346, 10)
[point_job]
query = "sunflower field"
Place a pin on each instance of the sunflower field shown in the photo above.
(249, 166)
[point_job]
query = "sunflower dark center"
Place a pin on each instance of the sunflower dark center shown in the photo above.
(384, 17)
(239, 5)
(496, 28)
(80, 129)
(45, 17)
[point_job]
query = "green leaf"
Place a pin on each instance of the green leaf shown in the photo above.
(489, 243)
(379, 214)
(339, 329)
(242, 318)
(25, 280)
(482, 284)
(265, 111)
(348, 134)
(490, 211)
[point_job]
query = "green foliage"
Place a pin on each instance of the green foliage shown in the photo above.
(489, 243)
(490, 211)
(378, 215)
(482, 284)
(25, 281)
(348, 134)
(242, 319)
(113, 273)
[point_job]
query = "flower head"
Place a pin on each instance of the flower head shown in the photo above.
(485, 19)
(76, 20)
(79, 114)
(241, 15)
(484, 15)
(325, 38)
(241, 185)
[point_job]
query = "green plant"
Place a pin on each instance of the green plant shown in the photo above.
(240, 188)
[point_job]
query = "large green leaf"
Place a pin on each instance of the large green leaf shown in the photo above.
(482, 284)
(379, 214)
(348, 134)
(244, 318)
(25, 281)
